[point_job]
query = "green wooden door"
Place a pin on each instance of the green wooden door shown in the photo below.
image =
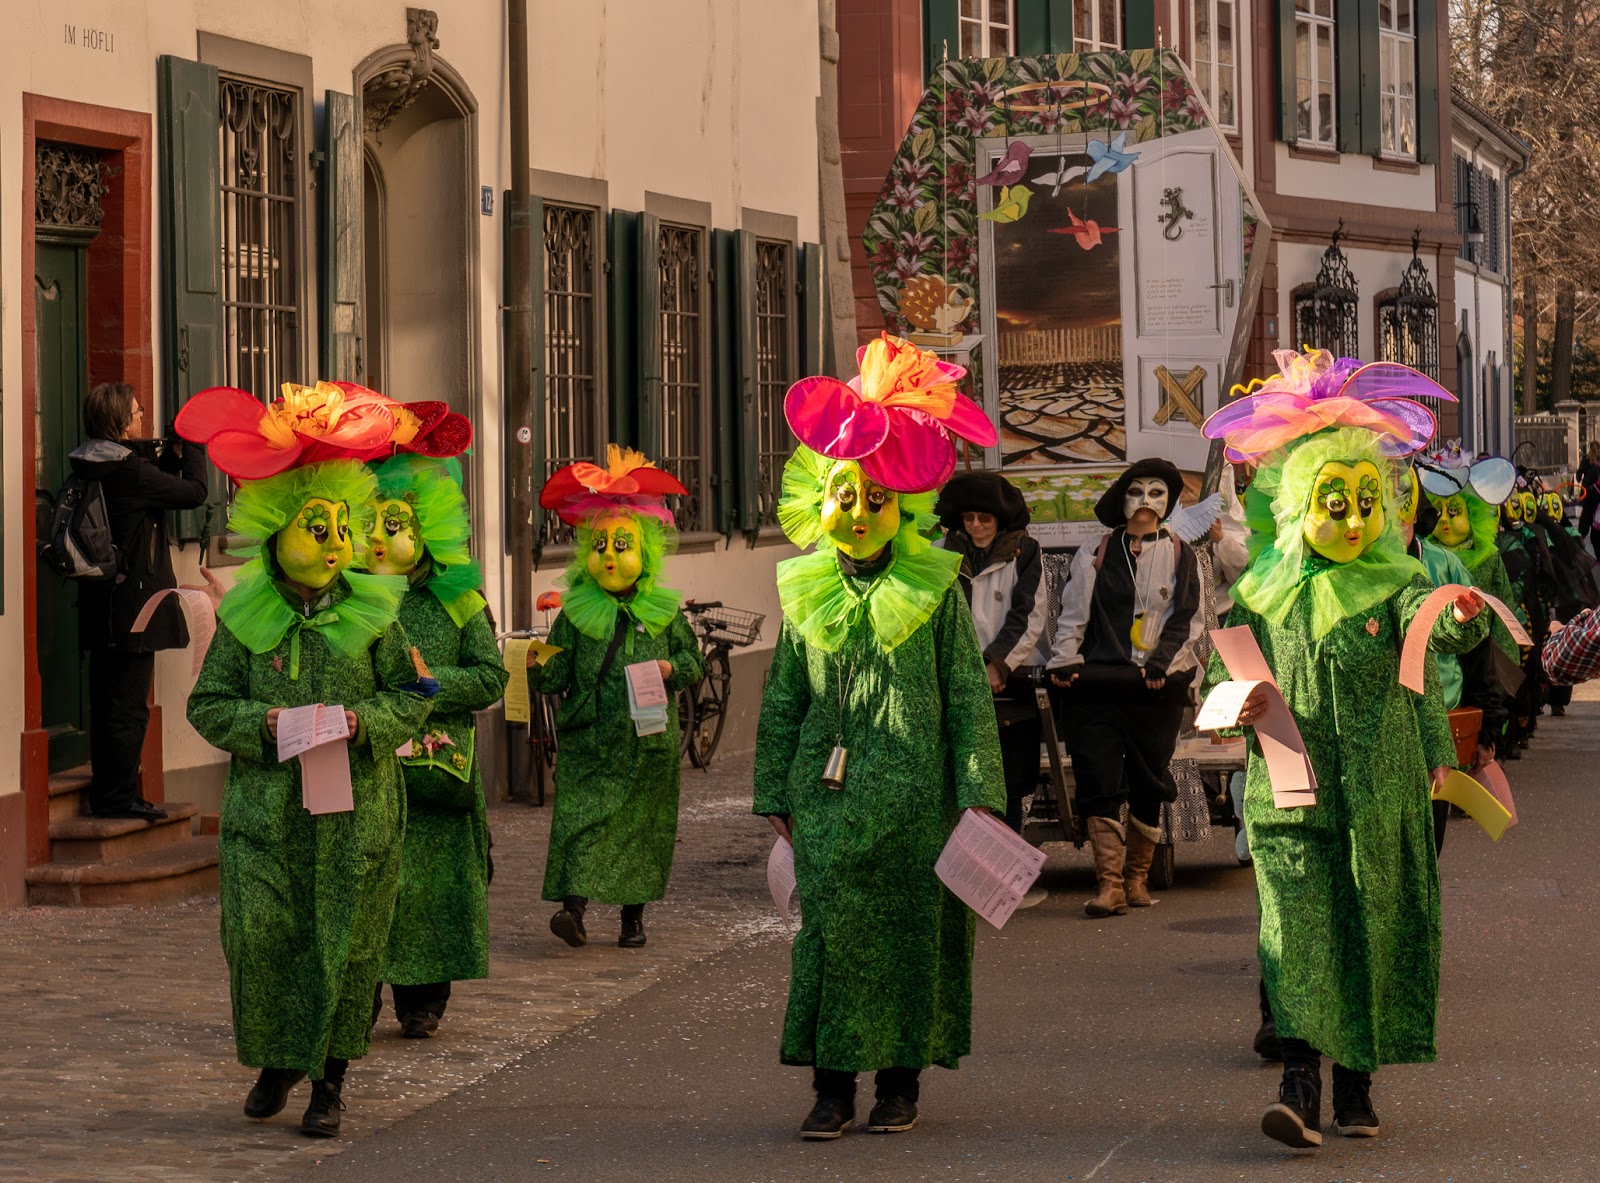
(61, 355)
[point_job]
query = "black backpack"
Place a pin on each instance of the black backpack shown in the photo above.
(80, 544)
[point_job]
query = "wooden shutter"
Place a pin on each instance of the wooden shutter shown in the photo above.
(1355, 66)
(1288, 76)
(739, 439)
(622, 332)
(1138, 23)
(341, 215)
(813, 310)
(1426, 15)
(190, 166)
(940, 24)
(648, 404)
(1043, 26)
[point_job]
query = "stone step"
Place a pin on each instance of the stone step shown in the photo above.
(67, 790)
(107, 839)
(182, 871)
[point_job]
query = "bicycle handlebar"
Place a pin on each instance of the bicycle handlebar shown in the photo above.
(692, 606)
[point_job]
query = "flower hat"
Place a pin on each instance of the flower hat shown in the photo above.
(628, 482)
(1313, 391)
(1448, 471)
(896, 417)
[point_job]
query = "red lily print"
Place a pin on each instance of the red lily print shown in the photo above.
(1089, 234)
(1131, 86)
(1175, 95)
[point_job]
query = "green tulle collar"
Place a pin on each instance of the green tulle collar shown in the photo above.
(355, 610)
(823, 604)
(593, 610)
(454, 587)
(1337, 591)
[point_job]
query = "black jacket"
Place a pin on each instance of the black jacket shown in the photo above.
(139, 492)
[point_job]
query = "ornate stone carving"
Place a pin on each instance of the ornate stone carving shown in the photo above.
(68, 184)
(397, 87)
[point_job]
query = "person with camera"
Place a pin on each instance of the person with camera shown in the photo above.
(141, 480)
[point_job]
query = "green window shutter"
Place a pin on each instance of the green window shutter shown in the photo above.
(622, 312)
(341, 212)
(940, 24)
(732, 299)
(813, 304)
(1138, 24)
(1044, 26)
(1426, 15)
(190, 171)
(1288, 76)
(1360, 125)
(647, 410)
(744, 390)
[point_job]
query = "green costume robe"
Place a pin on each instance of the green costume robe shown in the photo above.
(441, 919)
(1349, 888)
(306, 899)
(1488, 571)
(881, 971)
(615, 823)
(1444, 567)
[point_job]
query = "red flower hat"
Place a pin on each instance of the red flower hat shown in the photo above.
(629, 482)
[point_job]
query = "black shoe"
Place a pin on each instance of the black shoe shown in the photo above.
(632, 935)
(1557, 712)
(829, 1117)
(419, 1025)
(1296, 1119)
(1352, 1104)
(1266, 1042)
(271, 1092)
(322, 1115)
(140, 809)
(568, 925)
(892, 1115)
(377, 1006)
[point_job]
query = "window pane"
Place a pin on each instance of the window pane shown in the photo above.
(1225, 114)
(1388, 123)
(999, 43)
(1083, 21)
(1407, 114)
(1325, 8)
(1302, 5)
(1402, 10)
(1224, 38)
(1386, 14)
(971, 39)
(1000, 12)
(1202, 38)
(972, 9)
(1325, 111)
(1324, 54)
(1110, 34)
(1302, 51)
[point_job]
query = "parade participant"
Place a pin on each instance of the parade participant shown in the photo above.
(877, 730)
(1123, 667)
(420, 531)
(616, 812)
(1002, 569)
(1588, 482)
(1572, 654)
(1348, 887)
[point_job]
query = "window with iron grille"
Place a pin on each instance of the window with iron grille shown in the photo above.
(1325, 309)
(261, 294)
(684, 409)
(574, 412)
(776, 369)
(1097, 26)
(988, 28)
(1408, 320)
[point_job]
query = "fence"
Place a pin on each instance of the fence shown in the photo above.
(1044, 346)
(1541, 440)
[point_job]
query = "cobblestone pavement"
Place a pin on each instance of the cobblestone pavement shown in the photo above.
(117, 1060)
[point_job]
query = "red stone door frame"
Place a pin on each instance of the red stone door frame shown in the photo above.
(119, 351)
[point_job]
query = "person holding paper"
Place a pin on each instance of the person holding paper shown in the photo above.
(420, 531)
(1348, 888)
(877, 730)
(307, 897)
(1122, 667)
(616, 814)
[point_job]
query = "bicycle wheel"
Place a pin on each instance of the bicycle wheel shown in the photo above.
(538, 738)
(686, 722)
(711, 708)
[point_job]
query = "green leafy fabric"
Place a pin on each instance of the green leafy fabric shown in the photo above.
(1349, 888)
(882, 966)
(306, 900)
(615, 824)
(441, 917)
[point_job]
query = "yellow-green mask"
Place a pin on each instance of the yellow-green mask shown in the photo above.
(1346, 511)
(1408, 494)
(316, 544)
(395, 545)
(1455, 526)
(861, 517)
(1552, 504)
(616, 552)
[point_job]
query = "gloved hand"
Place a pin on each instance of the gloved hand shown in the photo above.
(426, 687)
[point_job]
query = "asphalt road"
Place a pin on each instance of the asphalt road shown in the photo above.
(1114, 1050)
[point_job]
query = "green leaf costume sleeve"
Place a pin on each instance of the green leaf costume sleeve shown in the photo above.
(555, 675)
(220, 706)
(479, 680)
(688, 665)
(969, 719)
(783, 711)
(390, 717)
(1447, 636)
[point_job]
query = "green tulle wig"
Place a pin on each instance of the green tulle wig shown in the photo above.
(432, 488)
(593, 610)
(1283, 565)
(1483, 522)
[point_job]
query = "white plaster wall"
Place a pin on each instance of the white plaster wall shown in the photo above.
(1355, 179)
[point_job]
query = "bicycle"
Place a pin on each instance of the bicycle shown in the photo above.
(541, 721)
(703, 707)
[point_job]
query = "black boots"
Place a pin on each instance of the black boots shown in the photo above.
(568, 923)
(829, 1117)
(835, 1111)
(1296, 1119)
(632, 927)
(1266, 1041)
(271, 1092)
(1352, 1103)
(321, 1118)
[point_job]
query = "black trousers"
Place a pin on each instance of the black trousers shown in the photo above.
(1121, 743)
(413, 1000)
(889, 1082)
(1019, 759)
(119, 713)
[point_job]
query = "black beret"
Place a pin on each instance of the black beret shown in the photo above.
(1109, 508)
(981, 491)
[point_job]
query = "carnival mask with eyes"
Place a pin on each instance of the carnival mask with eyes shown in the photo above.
(1455, 527)
(616, 553)
(1407, 500)
(1552, 504)
(1528, 507)
(316, 544)
(1346, 511)
(861, 517)
(1147, 493)
(394, 547)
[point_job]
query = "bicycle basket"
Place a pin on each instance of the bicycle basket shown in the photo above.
(733, 625)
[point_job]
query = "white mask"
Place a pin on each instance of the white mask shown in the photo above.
(1145, 492)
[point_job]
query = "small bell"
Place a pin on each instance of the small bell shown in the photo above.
(833, 771)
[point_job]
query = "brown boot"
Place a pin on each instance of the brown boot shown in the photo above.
(1136, 867)
(1105, 839)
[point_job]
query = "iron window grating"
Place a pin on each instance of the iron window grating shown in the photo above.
(573, 345)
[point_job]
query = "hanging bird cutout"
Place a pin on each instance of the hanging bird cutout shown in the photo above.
(1061, 176)
(1012, 205)
(1089, 233)
(1010, 168)
(1110, 158)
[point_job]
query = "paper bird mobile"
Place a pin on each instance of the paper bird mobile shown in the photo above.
(1110, 158)
(1010, 168)
(1061, 176)
(1012, 205)
(1088, 233)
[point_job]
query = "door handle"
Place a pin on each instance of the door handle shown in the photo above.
(1227, 290)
